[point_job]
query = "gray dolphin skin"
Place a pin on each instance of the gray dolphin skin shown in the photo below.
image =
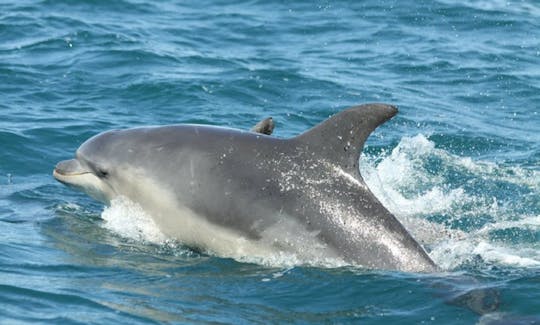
(241, 194)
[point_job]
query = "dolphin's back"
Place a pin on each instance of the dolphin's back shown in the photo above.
(251, 182)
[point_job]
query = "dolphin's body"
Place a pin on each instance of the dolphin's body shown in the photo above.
(237, 193)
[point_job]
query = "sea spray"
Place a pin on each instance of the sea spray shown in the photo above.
(428, 189)
(129, 220)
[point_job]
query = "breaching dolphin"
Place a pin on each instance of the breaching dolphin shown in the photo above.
(242, 194)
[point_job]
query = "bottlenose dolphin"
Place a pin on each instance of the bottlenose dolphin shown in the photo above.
(237, 193)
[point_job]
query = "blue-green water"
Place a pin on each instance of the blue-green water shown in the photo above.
(459, 165)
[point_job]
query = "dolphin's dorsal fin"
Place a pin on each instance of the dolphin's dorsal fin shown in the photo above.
(341, 138)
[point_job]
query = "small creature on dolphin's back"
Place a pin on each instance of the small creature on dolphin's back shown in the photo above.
(265, 126)
(208, 187)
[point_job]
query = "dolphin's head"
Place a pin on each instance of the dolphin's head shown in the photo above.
(123, 162)
(95, 163)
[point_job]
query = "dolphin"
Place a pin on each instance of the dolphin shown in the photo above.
(241, 194)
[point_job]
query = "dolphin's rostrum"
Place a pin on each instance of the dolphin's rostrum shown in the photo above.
(238, 193)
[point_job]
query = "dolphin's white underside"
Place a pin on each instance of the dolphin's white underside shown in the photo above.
(285, 238)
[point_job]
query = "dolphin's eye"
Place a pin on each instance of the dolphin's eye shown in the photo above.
(102, 173)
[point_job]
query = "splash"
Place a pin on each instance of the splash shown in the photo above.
(129, 220)
(461, 209)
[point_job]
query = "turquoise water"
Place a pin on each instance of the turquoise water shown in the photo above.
(459, 165)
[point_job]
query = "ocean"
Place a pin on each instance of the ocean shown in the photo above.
(459, 165)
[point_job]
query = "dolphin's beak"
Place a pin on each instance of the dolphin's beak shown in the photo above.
(73, 174)
(68, 168)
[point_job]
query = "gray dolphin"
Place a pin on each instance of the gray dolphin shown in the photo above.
(241, 194)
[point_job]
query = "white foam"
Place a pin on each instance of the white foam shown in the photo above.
(452, 254)
(129, 220)
(515, 7)
(396, 180)
(526, 222)
(478, 244)
(284, 245)
(413, 192)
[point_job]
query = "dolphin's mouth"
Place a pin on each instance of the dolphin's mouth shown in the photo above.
(68, 168)
(73, 174)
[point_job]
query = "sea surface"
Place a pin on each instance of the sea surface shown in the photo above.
(459, 165)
